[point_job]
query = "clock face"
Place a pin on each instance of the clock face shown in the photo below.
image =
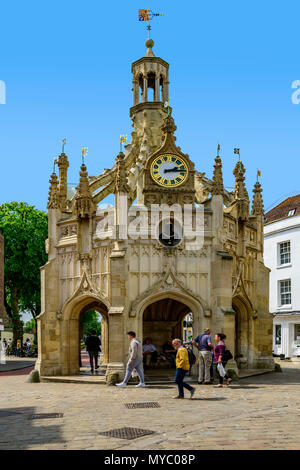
(169, 171)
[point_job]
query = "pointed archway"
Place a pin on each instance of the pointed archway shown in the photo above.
(163, 319)
(72, 314)
(243, 332)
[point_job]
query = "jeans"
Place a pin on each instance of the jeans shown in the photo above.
(180, 373)
(205, 361)
(212, 367)
(93, 356)
(138, 365)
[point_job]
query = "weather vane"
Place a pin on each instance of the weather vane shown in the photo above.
(84, 153)
(64, 141)
(258, 174)
(148, 15)
(123, 139)
(237, 151)
(54, 163)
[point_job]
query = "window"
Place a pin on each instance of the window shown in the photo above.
(284, 253)
(297, 333)
(278, 335)
(291, 212)
(285, 292)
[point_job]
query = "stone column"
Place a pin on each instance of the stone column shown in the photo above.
(104, 340)
(135, 84)
(145, 89)
(119, 272)
(116, 344)
(165, 91)
(156, 90)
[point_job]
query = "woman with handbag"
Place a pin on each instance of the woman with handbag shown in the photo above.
(219, 354)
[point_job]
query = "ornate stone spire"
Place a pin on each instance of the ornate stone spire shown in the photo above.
(63, 165)
(241, 197)
(121, 185)
(240, 191)
(257, 202)
(53, 199)
(83, 199)
(218, 187)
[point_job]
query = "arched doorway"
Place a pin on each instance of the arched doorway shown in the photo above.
(90, 321)
(243, 331)
(73, 313)
(163, 317)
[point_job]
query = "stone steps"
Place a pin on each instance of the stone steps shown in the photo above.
(87, 378)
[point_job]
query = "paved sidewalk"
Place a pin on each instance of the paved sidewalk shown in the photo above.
(261, 412)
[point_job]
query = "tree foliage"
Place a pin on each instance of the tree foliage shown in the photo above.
(25, 229)
(30, 326)
(91, 321)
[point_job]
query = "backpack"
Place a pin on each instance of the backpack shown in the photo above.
(192, 357)
(227, 355)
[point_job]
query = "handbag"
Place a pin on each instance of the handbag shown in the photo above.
(221, 369)
(227, 356)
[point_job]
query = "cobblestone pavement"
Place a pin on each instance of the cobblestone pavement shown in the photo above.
(260, 412)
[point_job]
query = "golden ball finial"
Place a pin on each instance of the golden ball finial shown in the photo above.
(149, 43)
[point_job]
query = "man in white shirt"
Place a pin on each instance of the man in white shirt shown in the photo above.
(149, 352)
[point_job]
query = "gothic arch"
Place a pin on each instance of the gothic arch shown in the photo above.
(167, 286)
(71, 315)
(243, 330)
(180, 296)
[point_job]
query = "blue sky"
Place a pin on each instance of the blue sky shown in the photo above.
(67, 69)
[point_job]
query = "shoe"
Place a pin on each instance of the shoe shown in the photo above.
(122, 385)
(92, 370)
(192, 393)
(212, 381)
(140, 385)
(200, 383)
(97, 367)
(207, 383)
(229, 380)
(177, 396)
(218, 386)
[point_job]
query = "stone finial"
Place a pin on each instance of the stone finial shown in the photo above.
(53, 199)
(257, 202)
(63, 165)
(241, 198)
(240, 191)
(149, 44)
(121, 185)
(83, 199)
(217, 187)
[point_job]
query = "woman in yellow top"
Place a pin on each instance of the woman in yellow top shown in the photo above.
(182, 367)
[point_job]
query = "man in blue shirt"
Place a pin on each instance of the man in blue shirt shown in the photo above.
(205, 346)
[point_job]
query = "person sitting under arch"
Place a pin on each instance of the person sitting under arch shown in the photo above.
(149, 352)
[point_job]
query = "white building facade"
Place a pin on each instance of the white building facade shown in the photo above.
(282, 256)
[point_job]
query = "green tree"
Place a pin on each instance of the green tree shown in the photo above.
(30, 326)
(91, 321)
(25, 230)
